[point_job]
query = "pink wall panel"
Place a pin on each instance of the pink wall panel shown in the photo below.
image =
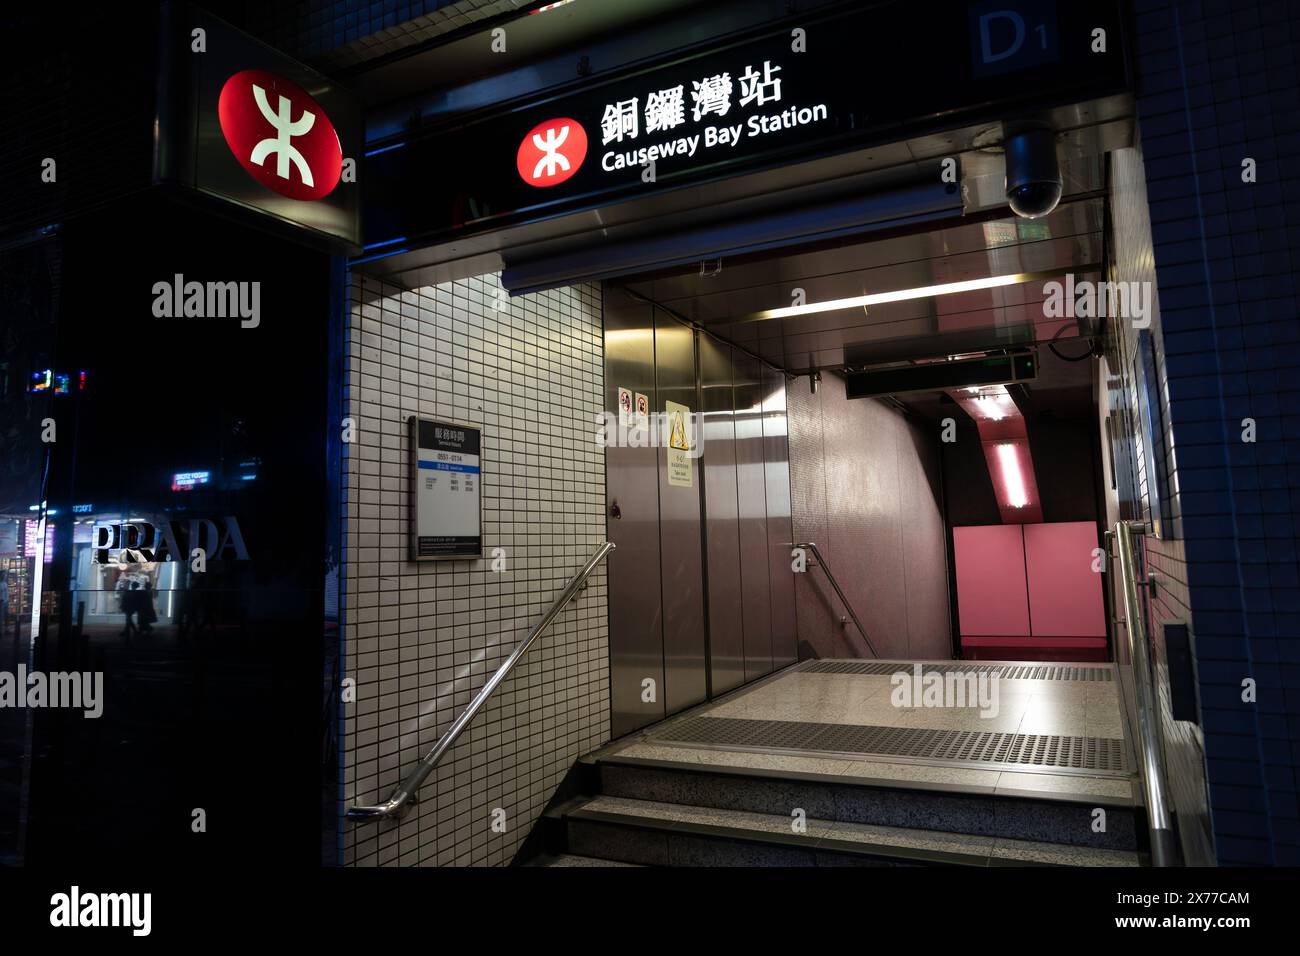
(1064, 592)
(991, 589)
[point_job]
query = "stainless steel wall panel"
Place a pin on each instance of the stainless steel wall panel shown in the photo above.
(722, 532)
(811, 518)
(925, 559)
(751, 497)
(632, 490)
(702, 597)
(776, 466)
(865, 485)
(680, 543)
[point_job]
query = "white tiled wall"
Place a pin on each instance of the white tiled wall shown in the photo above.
(421, 639)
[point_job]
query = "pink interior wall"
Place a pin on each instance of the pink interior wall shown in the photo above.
(1029, 591)
(1064, 590)
(992, 595)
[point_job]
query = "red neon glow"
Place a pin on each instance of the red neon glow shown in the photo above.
(1006, 451)
(1013, 482)
(1012, 470)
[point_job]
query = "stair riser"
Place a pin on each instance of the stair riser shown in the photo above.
(655, 847)
(978, 814)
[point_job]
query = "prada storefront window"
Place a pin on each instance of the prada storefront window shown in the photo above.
(182, 482)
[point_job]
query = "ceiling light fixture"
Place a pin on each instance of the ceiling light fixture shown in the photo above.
(920, 292)
(1013, 482)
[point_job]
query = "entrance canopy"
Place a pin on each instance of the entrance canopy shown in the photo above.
(796, 132)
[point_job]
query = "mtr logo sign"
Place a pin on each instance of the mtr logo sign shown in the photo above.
(280, 135)
(268, 137)
(551, 152)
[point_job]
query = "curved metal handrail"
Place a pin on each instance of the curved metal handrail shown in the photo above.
(1164, 847)
(405, 791)
(840, 591)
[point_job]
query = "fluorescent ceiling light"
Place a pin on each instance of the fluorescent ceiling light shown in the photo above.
(1013, 482)
(991, 402)
(900, 295)
(920, 292)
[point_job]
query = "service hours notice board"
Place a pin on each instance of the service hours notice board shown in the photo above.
(446, 490)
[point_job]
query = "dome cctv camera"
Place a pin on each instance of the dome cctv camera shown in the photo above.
(1033, 183)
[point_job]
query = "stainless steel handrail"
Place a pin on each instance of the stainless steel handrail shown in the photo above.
(1164, 848)
(405, 791)
(811, 546)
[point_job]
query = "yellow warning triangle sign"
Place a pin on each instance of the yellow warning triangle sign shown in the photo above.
(678, 439)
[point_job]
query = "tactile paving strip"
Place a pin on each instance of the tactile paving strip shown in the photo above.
(1006, 671)
(1102, 755)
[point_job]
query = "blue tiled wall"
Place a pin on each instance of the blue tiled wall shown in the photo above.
(1217, 83)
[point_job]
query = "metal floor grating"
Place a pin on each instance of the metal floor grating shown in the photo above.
(1101, 755)
(1007, 671)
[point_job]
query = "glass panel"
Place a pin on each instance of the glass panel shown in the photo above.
(30, 391)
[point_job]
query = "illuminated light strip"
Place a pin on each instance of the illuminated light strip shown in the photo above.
(1013, 482)
(378, 255)
(38, 576)
(386, 242)
(921, 292)
(384, 149)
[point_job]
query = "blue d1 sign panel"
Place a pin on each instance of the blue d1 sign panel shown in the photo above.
(1009, 36)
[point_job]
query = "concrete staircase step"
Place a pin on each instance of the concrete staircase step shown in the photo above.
(572, 859)
(1043, 817)
(656, 833)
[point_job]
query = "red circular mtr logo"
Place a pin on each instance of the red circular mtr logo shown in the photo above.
(280, 135)
(551, 152)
